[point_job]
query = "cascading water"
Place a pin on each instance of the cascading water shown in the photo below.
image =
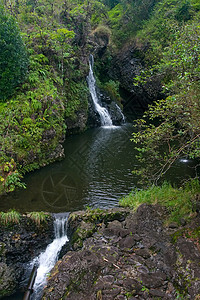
(47, 259)
(103, 113)
(121, 113)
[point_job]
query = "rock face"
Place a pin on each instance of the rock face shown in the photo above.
(7, 280)
(126, 65)
(99, 40)
(126, 255)
(19, 244)
(78, 124)
(93, 116)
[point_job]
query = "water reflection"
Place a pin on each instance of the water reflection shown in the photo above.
(96, 171)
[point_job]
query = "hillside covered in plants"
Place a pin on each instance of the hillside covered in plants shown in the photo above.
(144, 51)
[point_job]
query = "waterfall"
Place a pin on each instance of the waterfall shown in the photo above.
(103, 112)
(47, 259)
(121, 113)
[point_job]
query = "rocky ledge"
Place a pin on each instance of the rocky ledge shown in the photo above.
(120, 254)
(19, 243)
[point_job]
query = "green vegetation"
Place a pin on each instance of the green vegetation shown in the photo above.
(13, 217)
(44, 47)
(112, 88)
(38, 217)
(13, 56)
(10, 177)
(33, 114)
(170, 128)
(179, 202)
(9, 218)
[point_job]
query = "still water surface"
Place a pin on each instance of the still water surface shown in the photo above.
(96, 172)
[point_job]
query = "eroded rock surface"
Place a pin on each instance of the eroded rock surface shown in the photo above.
(126, 255)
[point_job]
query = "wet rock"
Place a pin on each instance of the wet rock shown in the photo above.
(157, 293)
(8, 281)
(143, 252)
(126, 65)
(127, 242)
(114, 224)
(153, 280)
(93, 116)
(78, 123)
(112, 107)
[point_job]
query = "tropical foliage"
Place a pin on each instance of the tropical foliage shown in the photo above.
(13, 56)
(44, 47)
(38, 217)
(10, 218)
(170, 128)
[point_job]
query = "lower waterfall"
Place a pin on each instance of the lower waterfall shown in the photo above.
(47, 259)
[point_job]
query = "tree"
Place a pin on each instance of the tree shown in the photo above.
(170, 128)
(13, 56)
(62, 46)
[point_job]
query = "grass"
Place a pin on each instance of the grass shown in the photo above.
(13, 217)
(38, 217)
(9, 218)
(179, 201)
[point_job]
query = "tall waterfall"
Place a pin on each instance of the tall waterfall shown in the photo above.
(47, 259)
(103, 112)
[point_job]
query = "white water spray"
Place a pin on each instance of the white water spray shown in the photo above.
(103, 112)
(47, 259)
